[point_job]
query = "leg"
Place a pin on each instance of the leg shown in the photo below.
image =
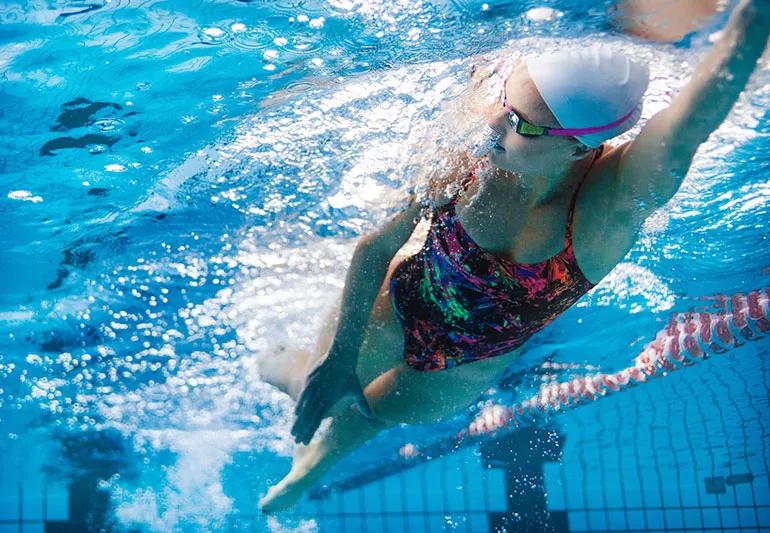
(285, 369)
(399, 395)
(288, 368)
(347, 432)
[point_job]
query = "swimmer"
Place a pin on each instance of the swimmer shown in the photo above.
(416, 339)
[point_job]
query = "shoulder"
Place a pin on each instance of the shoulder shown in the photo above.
(605, 225)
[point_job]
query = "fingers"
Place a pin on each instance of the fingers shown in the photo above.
(318, 397)
(304, 401)
(307, 422)
(310, 392)
(310, 410)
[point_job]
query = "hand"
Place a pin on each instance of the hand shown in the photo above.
(324, 386)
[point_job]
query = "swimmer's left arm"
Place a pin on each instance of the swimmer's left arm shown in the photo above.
(633, 180)
(652, 167)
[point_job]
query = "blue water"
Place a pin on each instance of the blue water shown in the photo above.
(182, 184)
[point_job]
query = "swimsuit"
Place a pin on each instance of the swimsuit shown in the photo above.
(459, 303)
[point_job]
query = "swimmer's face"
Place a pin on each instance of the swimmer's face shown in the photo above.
(524, 155)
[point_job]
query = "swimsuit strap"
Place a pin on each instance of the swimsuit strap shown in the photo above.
(573, 202)
(571, 213)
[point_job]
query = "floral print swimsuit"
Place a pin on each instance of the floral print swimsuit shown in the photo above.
(459, 303)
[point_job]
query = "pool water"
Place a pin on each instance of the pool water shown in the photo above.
(182, 187)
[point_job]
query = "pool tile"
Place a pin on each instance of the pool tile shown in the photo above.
(597, 520)
(636, 520)
(9, 505)
(692, 519)
(578, 521)
(729, 517)
(497, 499)
(747, 517)
(478, 523)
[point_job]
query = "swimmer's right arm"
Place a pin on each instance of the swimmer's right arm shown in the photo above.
(335, 377)
(367, 271)
(373, 255)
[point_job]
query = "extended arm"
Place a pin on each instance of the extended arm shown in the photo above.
(653, 166)
(335, 376)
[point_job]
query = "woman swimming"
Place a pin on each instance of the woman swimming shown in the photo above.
(553, 215)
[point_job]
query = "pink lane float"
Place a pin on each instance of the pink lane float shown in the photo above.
(687, 339)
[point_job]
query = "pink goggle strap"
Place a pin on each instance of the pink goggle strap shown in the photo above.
(573, 132)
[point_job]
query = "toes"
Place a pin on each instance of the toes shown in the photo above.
(269, 504)
(279, 498)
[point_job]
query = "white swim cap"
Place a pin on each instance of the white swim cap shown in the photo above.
(590, 87)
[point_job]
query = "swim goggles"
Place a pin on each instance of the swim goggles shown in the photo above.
(522, 127)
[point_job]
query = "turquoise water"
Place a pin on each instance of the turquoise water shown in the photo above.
(182, 186)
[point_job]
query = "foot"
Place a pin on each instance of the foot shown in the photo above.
(288, 491)
(345, 433)
(281, 496)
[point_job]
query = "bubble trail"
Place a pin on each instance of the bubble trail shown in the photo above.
(687, 339)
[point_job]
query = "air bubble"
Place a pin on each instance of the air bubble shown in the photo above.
(213, 35)
(107, 124)
(543, 14)
(24, 196)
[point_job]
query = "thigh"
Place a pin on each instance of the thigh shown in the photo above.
(405, 395)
